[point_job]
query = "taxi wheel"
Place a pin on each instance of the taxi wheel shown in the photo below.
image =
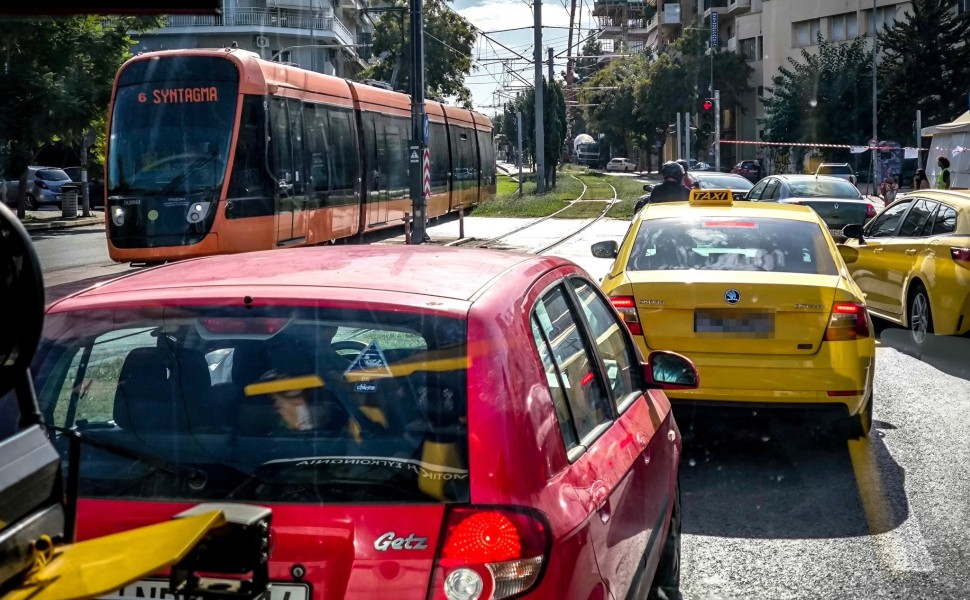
(666, 583)
(920, 316)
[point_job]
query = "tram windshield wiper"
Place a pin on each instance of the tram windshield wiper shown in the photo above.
(185, 174)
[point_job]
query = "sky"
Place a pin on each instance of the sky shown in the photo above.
(492, 17)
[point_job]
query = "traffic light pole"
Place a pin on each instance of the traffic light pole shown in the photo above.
(419, 202)
(717, 131)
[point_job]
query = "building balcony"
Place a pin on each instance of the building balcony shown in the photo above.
(732, 44)
(603, 8)
(261, 20)
(670, 15)
(727, 8)
(618, 32)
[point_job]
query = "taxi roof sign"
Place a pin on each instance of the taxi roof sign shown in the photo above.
(711, 197)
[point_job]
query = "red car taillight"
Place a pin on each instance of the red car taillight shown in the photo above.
(870, 210)
(489, 553)
(849, 321)
(961, 256)
(627, 307)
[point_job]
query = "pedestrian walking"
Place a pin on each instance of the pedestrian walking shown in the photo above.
(920, 180)
(943, 177)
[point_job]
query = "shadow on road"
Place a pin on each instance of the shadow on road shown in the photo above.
(945, 352)
(752, 474)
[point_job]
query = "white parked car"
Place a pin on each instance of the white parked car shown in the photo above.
(621, 164)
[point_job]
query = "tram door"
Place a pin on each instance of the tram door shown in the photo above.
(288, 166)
(377, 180)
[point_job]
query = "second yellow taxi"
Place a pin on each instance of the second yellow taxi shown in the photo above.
(756, 295)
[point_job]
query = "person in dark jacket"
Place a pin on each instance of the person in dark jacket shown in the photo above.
(671, 190)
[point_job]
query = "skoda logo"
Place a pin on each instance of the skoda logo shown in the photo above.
(732, 296)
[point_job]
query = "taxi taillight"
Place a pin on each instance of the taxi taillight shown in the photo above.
(489, 553)
(849, 321)
(627, 307)
(961, 256)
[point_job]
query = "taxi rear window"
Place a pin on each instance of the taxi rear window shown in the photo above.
(731, 244)
(269, 404)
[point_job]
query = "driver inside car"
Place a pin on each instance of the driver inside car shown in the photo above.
(307, 406)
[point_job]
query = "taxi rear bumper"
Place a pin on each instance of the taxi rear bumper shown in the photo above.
(839, 373)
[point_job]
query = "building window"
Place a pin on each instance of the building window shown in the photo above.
(748, 49)
(844, 27)
(761, 91)
(805, 33)
(885, 17)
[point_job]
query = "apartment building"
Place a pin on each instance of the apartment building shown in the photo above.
(767, 32)
(641, 24)
(327, 36)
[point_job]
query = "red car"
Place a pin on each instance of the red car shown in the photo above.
(749, 169)
(423, 422)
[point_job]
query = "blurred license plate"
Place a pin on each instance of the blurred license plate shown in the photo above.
(732, 321)
(156, 588)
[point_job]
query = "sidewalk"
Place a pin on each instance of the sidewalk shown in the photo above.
(42, 220)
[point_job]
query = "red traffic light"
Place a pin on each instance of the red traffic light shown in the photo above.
(708, 105)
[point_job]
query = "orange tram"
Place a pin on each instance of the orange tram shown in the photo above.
(218, 151)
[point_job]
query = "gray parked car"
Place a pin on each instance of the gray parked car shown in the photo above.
(44, 187)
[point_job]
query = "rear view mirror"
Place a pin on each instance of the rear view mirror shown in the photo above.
(853, 231)
(647, 187)
(671, 371)
(607, 249)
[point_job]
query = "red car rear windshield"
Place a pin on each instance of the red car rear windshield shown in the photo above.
(272, 405)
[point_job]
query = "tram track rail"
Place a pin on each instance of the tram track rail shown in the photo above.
(610, 203)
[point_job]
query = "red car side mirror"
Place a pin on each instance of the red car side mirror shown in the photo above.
(670, 371)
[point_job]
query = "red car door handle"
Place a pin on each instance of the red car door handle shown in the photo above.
(911, 252)
(599, 491)
(642, 439)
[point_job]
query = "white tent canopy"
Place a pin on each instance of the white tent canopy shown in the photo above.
(951, 140)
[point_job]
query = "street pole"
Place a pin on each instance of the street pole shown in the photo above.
(919, 138)
(549, 79)
(416, 151)
(540, 161)
(85, 193)
(519, 117)
(717, 131)
(687, 137)
(875, 134)
(680, 141)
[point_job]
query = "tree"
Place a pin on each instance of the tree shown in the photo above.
(448, 43)
(925, 65)
(825, 98)
(57, 81)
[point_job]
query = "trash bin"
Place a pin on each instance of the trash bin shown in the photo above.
(69, 195)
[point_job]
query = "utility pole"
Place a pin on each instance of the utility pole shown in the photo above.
(519, 118)
(418, 143)
(549, 79)
(540, 161)
(717, 131)
(919, 138)
(875, 133)
(569, 74)
(687, 137)
(680, 141)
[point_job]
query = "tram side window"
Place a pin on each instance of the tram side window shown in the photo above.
(282, 151)
(474, 158)
(250, 187)
(487, 153)
(376, 150)
(461, 166)
(439, 157)
(343, 149)
(295, 110)
(317, 149)
(397, 164)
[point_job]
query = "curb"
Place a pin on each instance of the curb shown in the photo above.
(62, 223)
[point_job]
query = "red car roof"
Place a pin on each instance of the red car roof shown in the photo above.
(453, 273)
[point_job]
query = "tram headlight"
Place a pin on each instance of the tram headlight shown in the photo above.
(118, 216)
(197, 212)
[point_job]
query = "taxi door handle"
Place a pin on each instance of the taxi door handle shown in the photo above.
(877, 250)
(911, 252)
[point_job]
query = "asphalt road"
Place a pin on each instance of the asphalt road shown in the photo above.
(74, 258)
(774, 508)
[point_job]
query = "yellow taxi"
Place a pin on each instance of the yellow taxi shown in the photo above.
(756, 295)
(912, 261)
